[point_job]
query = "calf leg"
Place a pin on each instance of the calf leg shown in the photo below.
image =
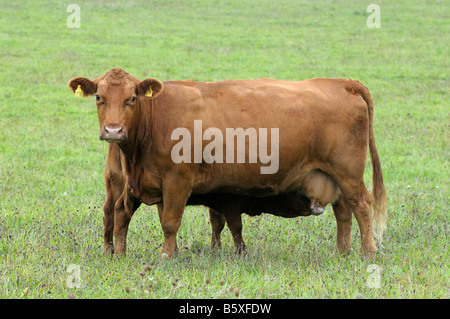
(344, 225)
(234, 223)
(217, 221)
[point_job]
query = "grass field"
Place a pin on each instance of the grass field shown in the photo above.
(51, 161)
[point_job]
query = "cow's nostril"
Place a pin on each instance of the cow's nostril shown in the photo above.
(113, 130)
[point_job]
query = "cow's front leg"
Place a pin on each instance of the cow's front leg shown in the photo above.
(108, 225)
(121, 222)
(124, 209)
(175, 195)
(114, 189)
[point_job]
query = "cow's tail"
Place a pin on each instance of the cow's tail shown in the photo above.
(379, 200)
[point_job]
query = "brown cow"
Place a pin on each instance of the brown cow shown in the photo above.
(324, 125)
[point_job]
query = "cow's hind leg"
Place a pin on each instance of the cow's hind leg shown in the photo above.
(349, 176)
(217, 221)
(343, 216)
(359, 200)
(347, 170)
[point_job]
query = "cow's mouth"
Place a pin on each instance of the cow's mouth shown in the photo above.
(316, 209)
(111, 140)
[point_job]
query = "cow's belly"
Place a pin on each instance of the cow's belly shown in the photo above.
(245, 179)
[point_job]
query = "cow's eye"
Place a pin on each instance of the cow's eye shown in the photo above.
(133, 99)
(97, 97)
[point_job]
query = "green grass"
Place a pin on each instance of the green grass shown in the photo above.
(51, 161)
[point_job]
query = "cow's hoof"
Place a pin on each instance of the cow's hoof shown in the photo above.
(165, 256)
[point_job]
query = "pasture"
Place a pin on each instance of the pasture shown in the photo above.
(52, 162)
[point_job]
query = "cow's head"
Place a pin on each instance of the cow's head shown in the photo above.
(117, 95)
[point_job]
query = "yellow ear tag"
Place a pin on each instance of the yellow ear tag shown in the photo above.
(79, 91)
(149, 93)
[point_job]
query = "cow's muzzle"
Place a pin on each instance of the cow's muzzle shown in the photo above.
(315, 209)
(113, 133)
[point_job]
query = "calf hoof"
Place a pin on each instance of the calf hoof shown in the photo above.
(215, 245)
(241, 250)
(108, 250)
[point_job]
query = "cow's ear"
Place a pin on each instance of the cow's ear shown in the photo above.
(82, 86)
(150, 88)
